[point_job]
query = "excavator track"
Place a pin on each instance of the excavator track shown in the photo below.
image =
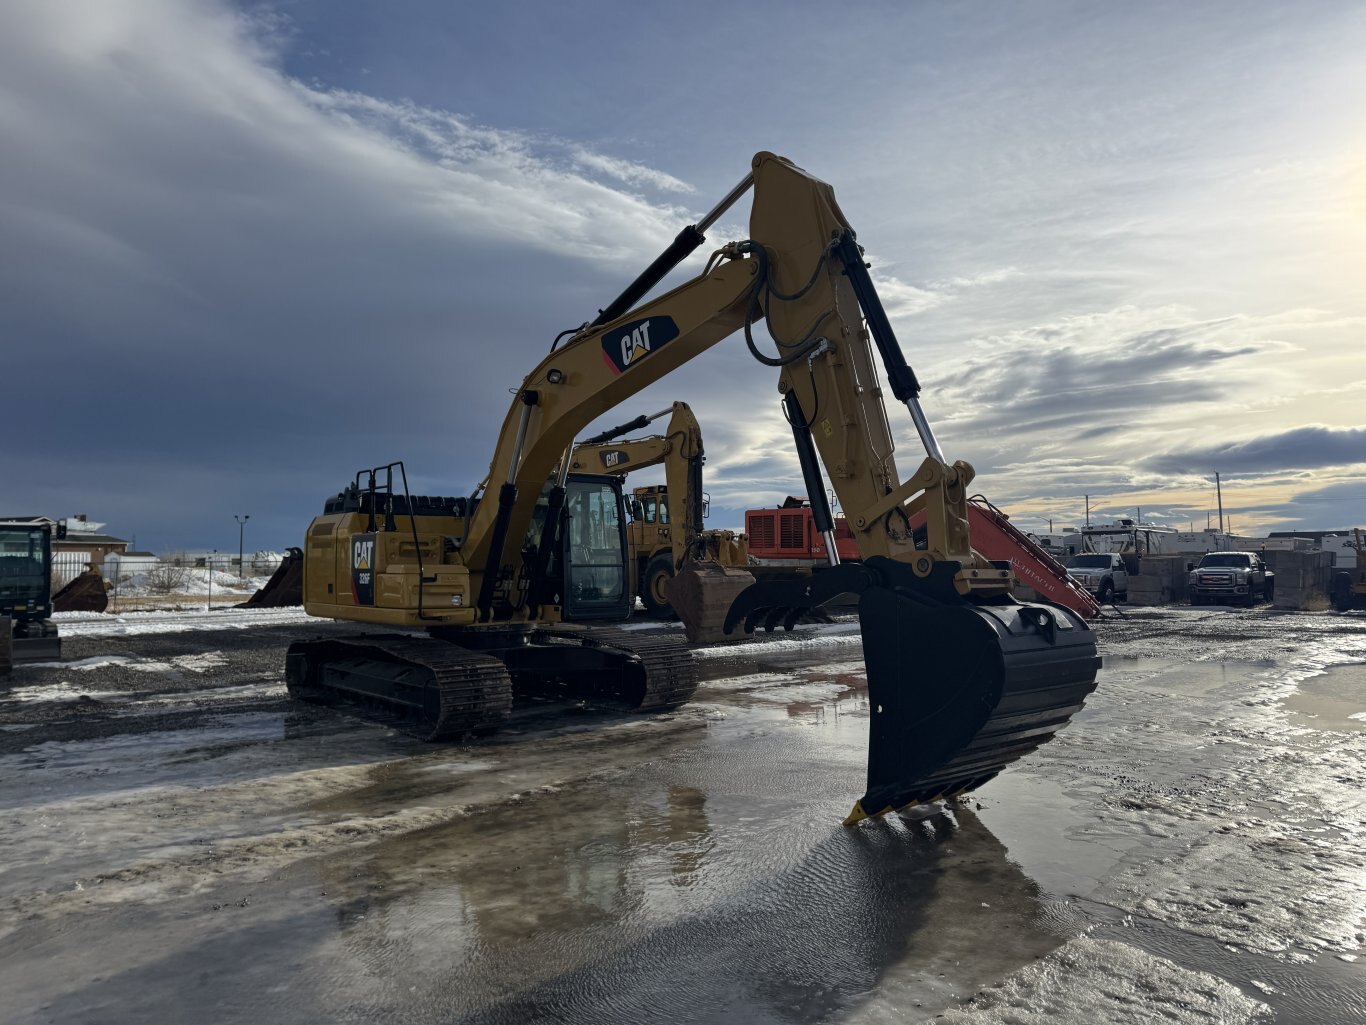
(439, 690)
(669, 672)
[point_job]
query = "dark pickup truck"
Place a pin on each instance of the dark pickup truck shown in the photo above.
(1231, 578)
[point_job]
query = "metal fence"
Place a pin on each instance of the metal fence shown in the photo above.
(165, 575)
(66, 566)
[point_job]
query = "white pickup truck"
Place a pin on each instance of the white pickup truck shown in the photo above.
(1104, 575)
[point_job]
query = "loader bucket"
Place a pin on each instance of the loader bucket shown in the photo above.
(701, 593)
(957, 691)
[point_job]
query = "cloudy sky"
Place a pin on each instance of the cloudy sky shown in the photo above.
(250, 248)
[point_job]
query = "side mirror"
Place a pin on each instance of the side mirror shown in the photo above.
(637, 510)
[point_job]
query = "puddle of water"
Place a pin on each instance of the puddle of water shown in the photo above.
(1058, 839)
(1173, 676)
(1335, 700)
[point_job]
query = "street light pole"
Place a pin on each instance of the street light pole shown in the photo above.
(241, 529)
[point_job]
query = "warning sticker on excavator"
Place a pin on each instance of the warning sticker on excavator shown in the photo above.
(362, 568)
(623, 347)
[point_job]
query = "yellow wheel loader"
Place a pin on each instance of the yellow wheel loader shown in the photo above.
(505, 590)
(665, 536)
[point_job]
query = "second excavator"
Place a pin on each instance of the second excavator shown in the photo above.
(666, 536)
(505, 590)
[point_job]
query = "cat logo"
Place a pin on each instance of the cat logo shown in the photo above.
(362, 568)
(614, 457)
(362, 551)
(625, 346)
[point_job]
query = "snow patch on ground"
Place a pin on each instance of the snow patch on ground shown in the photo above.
(82, 624)
(824, 635)
(1088, 980)
(62, 691)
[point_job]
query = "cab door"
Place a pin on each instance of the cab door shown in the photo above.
(594, 551)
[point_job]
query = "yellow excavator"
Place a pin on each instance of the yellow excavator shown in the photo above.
(507, 589)
(665, 534)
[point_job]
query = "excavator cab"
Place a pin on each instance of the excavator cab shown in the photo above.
(594, 550)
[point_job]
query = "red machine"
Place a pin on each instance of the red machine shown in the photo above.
(787, 537)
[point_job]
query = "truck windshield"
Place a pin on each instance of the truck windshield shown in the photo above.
(1235, 559)
(1089, 562)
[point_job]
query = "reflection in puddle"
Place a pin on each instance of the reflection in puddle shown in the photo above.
(1334, 700)
(624, 905)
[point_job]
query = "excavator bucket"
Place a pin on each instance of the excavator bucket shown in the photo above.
(285, 586)
(85, 593)
(956, 690)
(702, 593)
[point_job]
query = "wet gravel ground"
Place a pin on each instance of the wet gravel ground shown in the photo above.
(180, 842)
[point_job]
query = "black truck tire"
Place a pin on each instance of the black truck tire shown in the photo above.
(653, 594)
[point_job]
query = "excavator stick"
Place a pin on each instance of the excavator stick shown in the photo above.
(956, 690)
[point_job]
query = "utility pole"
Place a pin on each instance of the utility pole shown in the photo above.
(1088, 510)
(1219, 494)
(241, 529)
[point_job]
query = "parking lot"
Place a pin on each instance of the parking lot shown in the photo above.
(181, 842)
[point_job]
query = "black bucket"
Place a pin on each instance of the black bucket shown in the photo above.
(958, 690)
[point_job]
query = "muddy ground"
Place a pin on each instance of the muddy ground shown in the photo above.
(180, 842)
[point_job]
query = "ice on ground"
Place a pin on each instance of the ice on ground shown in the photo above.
(1089, 980)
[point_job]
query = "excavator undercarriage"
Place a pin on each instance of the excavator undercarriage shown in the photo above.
(514, 586)
(442, 689)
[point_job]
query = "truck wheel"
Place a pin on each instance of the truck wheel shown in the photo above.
(1107, 593)
(653, 586)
